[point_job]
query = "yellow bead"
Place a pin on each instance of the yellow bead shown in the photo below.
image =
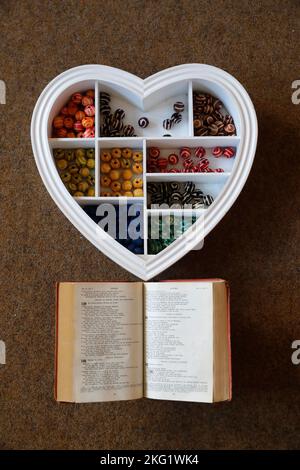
(138, 193)
(105, 167)
(127, 185)
(127, 174)
(114, 175)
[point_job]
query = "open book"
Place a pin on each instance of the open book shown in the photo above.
(128, 340)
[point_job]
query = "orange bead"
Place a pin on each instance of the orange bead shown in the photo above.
(79, 115)
(71, 135)
(87, 122)
(61, 133)
(58, 122)
(64, 111)
(90, 93)
(68, 122)
(72, 108)
(86, 100)
(114, 175)
(76, 98)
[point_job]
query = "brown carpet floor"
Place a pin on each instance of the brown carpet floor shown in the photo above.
(255, 247)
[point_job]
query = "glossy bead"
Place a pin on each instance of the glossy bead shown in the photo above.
(137, 168)
(137, 156)
(116, 153)
(229, 152)
(127, 185)
(71, 135)
(90, 192)
(78, 127)
(138, 192)
(127, 174)
(128, 193)
(178, 107)
(115, 163)
(185, 152)
(76, 98)
(143, 122)
(90, 93)
(87, 100)
(173, 158)
(125, 163)
(114, 175)
(115, 186)
(84, 171)
(90, 163)
(217, 152)
(200, 152)
(127, 153)
(105, 167)
(68, 122)
(58, 122)
(87, 122)
(72, 108)
(79, 115)
(83, 186)
(89, 110)
(105, 181)
(61, 133)
(89, 133)
(154, 152)
(78, 194)
(137, 183)
(105, 157)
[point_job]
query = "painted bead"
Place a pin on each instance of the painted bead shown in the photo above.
(68, 122)
(58, 122)
(125, 163)
(127, 185)
(154, 152)
(89, 133)
(61, 133)
(229, 152)
(90, 192)
(79, 115)
(128, 130)
(137, 183)
(115, 186)
(72, 108)
(167, 124)
(114, 175)
(86, 101)
(143, 122)
(173, 158)
(87, 122)
(64, 111)
(217, 152)
(105, 167)
(178, 107)
(200, 152)
(127, 153)
(162, 163)
(138, 192)
(176, 118)
(71, 135)
(115, 163)
(137, 156)
(185, 152)
(76, 98)
(105, 157)
(127, 174)
(90, 163)
(137, 168)
(90, 93)
(105, 181)
(116, 153)
(89, 110)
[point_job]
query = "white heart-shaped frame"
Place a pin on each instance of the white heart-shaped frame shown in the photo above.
(145, 94)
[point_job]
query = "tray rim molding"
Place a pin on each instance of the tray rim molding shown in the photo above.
(139, 266)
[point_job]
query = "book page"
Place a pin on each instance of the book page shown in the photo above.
(178, 337)
(108, 363)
